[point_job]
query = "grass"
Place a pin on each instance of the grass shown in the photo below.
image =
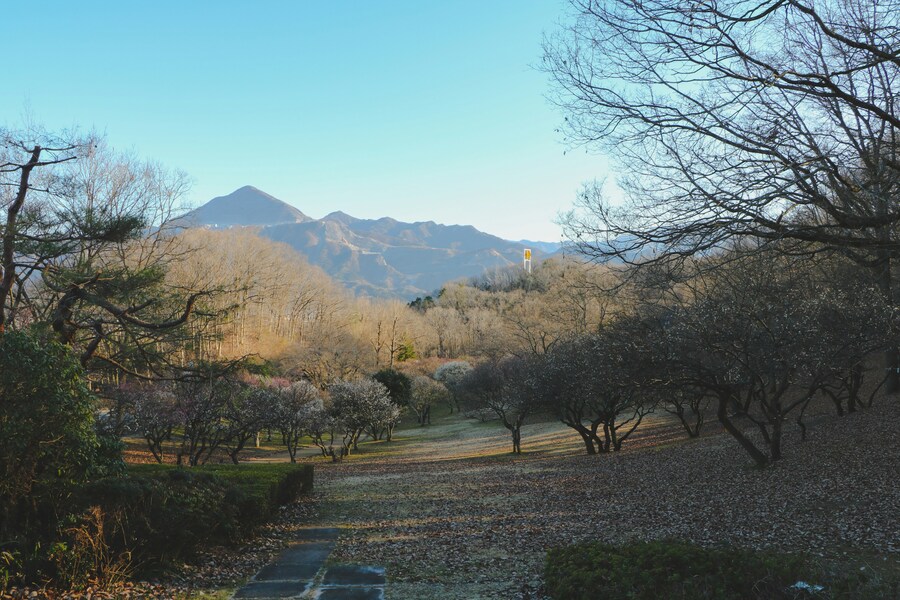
(257, 479)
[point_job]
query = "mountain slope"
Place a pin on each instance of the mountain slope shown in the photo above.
(378, 257)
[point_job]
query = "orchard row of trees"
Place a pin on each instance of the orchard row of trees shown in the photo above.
(226, 413)
(753, 340)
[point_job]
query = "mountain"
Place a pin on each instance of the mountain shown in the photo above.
(377, 257)
(545, 247)
(244, 207)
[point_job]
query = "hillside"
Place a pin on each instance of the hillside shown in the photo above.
(377, 257)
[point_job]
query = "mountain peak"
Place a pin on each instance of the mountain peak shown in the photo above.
(244, 207)
(341, 217)
(251, 188)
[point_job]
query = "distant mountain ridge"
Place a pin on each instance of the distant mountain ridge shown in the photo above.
(547, 247)
(378, 257)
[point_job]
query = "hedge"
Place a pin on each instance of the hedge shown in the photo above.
(161, 513)
(671, 569)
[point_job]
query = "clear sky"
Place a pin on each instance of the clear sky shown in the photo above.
(418, 110)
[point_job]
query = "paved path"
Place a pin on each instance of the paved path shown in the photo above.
(300, 572)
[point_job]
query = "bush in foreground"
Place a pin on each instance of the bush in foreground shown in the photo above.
(47, 438)
(678, 570)
(159, 514)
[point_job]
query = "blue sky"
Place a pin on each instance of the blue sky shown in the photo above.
(420, 110)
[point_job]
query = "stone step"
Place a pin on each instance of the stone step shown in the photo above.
(353, 575)
(274, 589)
(294, 572)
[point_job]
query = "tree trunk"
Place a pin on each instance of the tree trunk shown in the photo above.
(891, 362)
(837, 401)
(586, 436)
(8, 266)
(775, 442)
(517, 439)
(892, 354)
(588, 443)
(155, 448)
(758, 457)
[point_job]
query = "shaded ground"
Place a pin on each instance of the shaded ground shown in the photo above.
(451, 514)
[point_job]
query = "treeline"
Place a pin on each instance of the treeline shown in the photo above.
(274, 305)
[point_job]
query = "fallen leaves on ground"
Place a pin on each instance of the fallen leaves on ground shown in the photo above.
(442, 524)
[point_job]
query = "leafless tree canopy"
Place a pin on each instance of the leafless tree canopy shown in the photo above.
(774, 119)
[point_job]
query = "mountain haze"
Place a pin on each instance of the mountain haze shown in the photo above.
(378, 257)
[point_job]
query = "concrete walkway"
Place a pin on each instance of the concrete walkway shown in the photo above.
(299, 572)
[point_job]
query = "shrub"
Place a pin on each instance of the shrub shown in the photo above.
(47, 437)
(159, 513)
(166, 517)
(670, 569)
(399, 385)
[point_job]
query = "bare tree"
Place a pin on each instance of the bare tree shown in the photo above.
(294, 410)
(200, 407)
(763, 339)
(598, 384)
(153, 407)
(452, 375)
(765, 119)
(360, 405)
(507, 388)
(425, 393)
(688, 404)
(248, 409)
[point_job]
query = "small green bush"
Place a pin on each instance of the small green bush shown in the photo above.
(671, 570)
